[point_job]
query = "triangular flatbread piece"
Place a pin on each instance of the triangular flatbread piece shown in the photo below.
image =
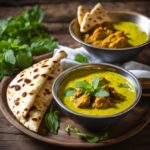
(97, 16)
(100, 13)
(29, 94)
(81, 11)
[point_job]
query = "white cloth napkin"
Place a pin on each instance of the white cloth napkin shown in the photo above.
(138, 69)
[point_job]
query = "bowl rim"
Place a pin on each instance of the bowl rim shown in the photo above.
(110, 49)
(63, 74)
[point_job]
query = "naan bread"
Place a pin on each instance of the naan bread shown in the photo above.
(98, 15)
(81, 11)
(40, 106)
(29, 94)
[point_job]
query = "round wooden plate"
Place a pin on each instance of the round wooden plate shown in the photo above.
(132, 124)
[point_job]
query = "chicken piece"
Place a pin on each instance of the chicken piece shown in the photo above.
(78, 92)
(83, 101)
(118, 43)
(98, 34)
(119, 34)
(108, 40)
(102, 103)
(120, 40)
(115, 94)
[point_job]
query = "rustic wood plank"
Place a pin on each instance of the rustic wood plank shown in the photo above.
(67, 11)
(32, 2)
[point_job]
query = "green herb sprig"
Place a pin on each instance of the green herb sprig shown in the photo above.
(94, 87)
(21, 37)
(123, 85)
(81, 58)
(52, 121)
(86, 136)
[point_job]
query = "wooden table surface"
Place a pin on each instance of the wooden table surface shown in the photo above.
(58, 15)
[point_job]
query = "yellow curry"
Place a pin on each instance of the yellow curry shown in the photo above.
(116, 35)
(97, 93)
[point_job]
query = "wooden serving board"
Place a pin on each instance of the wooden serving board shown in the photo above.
(132, 124)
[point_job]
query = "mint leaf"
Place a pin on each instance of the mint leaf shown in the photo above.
(10, 57)
(103, 137)
(101, 93)
(81, 58)
(84, 85)
(21, 37)
(95, 82)
(5, 69)
(41, 45)
(3, 26)
(69, 91)
(123, 85)
(24, 59)
(68, 128)
(52, 121)
(86, 136)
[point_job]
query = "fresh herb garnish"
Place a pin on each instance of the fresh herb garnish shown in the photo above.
(94, 87)
(101, 93)
(52, 121)
(69, 91)
(95, 82)
(123, 85)
(10, 57)
(20, 38)
(88, 137)
(81, 58)
(83, 85)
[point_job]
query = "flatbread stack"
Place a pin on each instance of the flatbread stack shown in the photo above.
(87, 20)
(29, 93)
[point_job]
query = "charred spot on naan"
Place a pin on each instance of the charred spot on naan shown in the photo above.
(21, 75)
(24, 94)
(18, 112)
(50, 78)
(23, 85)
(44, 66)
(55, 62)
(26, 109)
(16, 87)
(36, 70)
(32, 108)
(31, 84)
(35, 76)
(20, 80)
(44, 75)
(31, 93)
(48, 91)
(27, 81)
(34, 119)
(16, 102)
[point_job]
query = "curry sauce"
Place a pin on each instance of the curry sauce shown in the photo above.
(114, 80)
(115, 35)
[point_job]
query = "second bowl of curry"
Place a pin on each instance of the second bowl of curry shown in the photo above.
(96, 95)
(119, 41)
